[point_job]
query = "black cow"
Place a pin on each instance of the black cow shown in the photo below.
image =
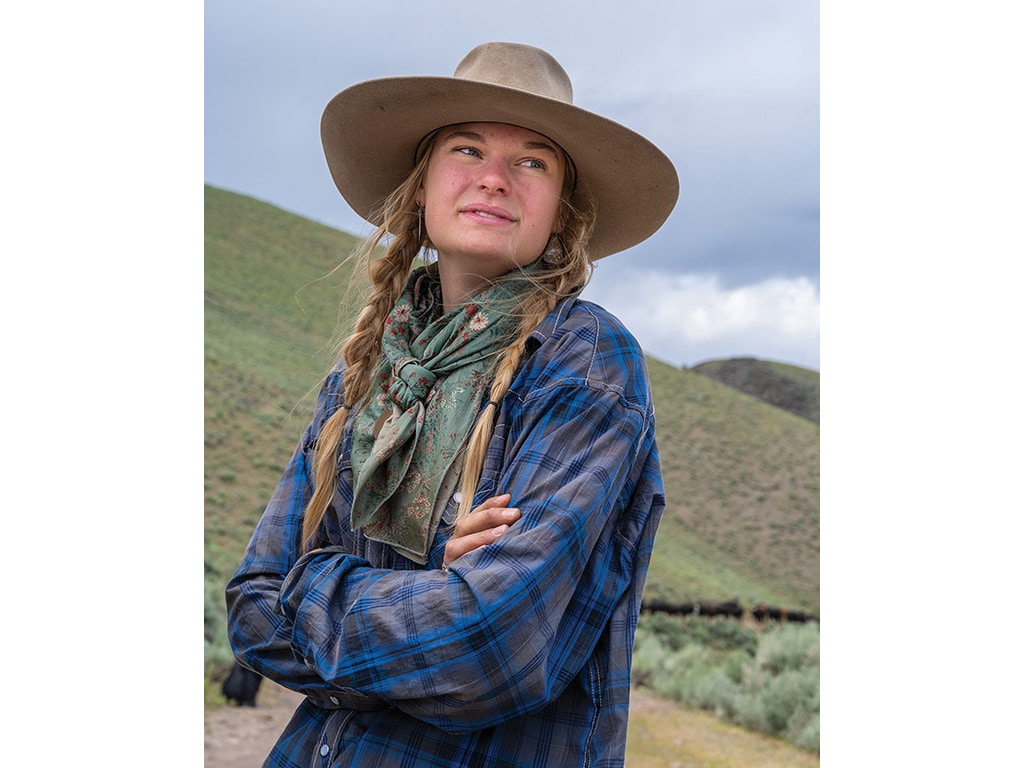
(762, 612)
(732, 608)
(675, 609)
(241, 686)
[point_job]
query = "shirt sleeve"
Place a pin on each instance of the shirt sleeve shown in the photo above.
(513, 623)
(258, 631)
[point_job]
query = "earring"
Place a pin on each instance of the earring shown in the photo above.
(554, 253)
(419, 224)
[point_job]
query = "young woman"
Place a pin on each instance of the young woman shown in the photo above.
(451, 567)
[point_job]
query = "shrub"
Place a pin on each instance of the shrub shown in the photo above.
(788, 646)
(786, 697)
(810, 737)
(216, 649)
(767, 682)
(718, 633)
(650, 657)
(736, 665)
(713, 690)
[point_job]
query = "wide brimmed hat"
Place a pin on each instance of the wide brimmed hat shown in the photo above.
(371, 132)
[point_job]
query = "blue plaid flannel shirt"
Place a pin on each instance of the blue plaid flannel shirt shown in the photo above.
(521, 654)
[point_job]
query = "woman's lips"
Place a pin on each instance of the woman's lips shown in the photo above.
(488, 213)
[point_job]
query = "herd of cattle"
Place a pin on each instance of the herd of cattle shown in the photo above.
(731, 609)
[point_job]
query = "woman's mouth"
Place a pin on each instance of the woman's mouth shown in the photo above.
(488, 213)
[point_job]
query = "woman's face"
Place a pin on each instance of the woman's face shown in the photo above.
(491, 196)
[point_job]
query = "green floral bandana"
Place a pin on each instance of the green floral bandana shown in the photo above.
(435, 374)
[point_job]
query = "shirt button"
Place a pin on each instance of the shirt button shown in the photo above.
(334, 700)
(324, 750)
(457, 497)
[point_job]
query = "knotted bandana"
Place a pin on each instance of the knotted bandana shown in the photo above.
(435, 373)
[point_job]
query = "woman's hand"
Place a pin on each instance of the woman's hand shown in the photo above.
(480, 527)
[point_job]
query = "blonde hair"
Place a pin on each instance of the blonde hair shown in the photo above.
(402, 228)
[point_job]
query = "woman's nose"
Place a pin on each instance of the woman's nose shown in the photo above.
(494, 177)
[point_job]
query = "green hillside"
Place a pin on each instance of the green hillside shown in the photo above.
(741, 480)
(741, 475)
(270, 317)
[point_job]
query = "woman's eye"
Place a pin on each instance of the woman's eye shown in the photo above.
(468, 151)
(534, 163)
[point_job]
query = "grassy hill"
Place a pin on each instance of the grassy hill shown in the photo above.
(741, 475)
(270, 317)
(741, 481)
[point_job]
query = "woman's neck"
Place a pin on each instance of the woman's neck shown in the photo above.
(458, 285)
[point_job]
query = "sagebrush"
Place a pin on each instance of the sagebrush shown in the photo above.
(767, 680)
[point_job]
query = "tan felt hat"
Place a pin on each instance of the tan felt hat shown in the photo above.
(371, 132)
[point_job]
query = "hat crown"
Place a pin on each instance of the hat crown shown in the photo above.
(513, 65)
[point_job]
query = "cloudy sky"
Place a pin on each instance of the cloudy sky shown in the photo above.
(728, 89)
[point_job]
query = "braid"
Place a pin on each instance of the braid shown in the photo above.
(557, 283)
(361, 350)
(537, 305)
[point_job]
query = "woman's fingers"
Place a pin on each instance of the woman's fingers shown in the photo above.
(480, 527)
(456, 548)
(491, 513)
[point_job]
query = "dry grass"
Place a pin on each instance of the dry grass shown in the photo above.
(666, 735)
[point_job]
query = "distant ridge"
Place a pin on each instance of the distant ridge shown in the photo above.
(793, 389)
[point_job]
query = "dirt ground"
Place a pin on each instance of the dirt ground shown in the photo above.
(241, 737)
(661, 733)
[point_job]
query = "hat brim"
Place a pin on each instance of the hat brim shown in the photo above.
(371, 130)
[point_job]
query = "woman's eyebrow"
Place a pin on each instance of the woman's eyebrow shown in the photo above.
(473, 136)
(542, 145)
(466, 135)
(463, 136)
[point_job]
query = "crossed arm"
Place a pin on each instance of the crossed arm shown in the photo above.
(523, 606)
